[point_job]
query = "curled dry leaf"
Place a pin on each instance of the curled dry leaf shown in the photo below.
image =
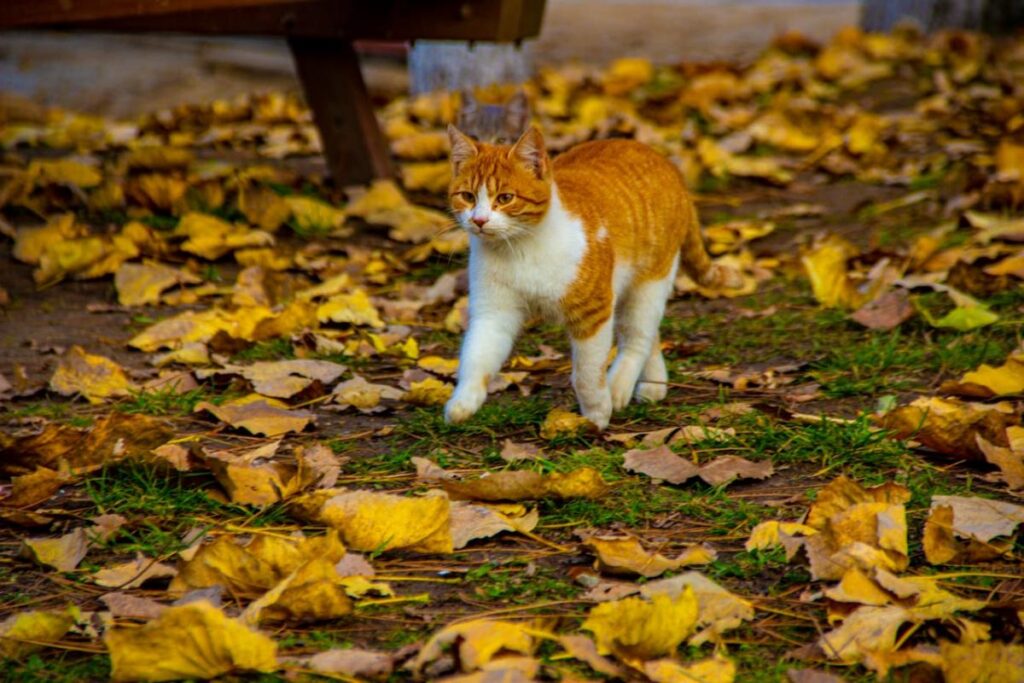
(191, 641)
(662, 463)
(642, 629)
(364, 396)
(63, 553)
(283, 378)
(352, 662)
(584, 482)
(625, 555)
(369, 521)
(133, 574)
(470, 521)
(718, 610)
(1009, 461)
(141, 284)
(561, 423)
(988, 381)
(477, 642)
(514, 452)
(96, 377)
(951, 426)
(766, 535)
(966, 529)
(254, 477)
(128, 606)
(29, 490)
(313, 592)
(886, 312)
(258, 415)
(716, 669)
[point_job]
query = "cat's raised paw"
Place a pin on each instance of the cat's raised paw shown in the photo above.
(461, 407)
(651, 392)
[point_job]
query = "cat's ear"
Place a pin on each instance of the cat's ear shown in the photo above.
(463, 147)
(530, 152)
(517, 110)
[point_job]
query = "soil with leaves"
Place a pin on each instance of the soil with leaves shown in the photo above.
(223, 451)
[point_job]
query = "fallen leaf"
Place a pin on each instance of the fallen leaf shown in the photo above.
(258, 415)
(475, 642)
(662, 463)
(561, 423)
(767, 534)
(982, 525)
(354, 308)
(517, 452)
(716, 669)
(428, 392)
(886, 311)
(141, 284)
(95, 377)
(352, 662)
(319, 465)
(988, 381)
(584, 649)
(584, 482)
(1009, 462)
(364, 396)
(981, 662)
(33, 488)
(191, 641)
(312, 216)
(313, 592)
(718, 610)
(133, 574)
(470, 521)
(640, 628)
(626, 555)
(25, 632)
(282, 378)
(63, 553)
(371, 521)
(949, 425)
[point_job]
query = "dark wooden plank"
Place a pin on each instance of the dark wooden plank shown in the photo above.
(994, 16)
(389, 20)
(22, 13)
(352, 141)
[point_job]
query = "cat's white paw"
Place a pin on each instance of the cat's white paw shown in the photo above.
(463, 405)
(621, 389)
(651, 392)
(599, 412)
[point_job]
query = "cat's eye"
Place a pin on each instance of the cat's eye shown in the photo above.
(467, 197)
(505, 197)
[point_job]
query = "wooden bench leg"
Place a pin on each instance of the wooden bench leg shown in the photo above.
(352, 141)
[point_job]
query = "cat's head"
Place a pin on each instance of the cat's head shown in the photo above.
(494, 123)
(499, 192)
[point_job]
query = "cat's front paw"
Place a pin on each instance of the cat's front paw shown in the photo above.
(462, 406)
(651, 392)
(598, 412)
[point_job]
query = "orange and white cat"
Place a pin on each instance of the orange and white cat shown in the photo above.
(592, 240)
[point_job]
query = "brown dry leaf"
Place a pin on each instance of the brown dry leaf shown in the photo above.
(716, 669)
(767, 534)
(476, 642)
(662, 463)
(982, 662)
(371, 521)
(470, 521)
(263, 207)
(96, 377)
(254, 477)
(985, 526)
(512, 451)
(364, 396)
(133, 574)
(33, 488)
(643, 629)
(352, 662)
(25, 632)
(282, 378)
(949, 425)
(63, 553)
(886, 311)
(626, 555)
(141, 284)
(314, 217)
(988, 381)
(718, 610)
(259, 415)
(250, 567)
(584, 649)
(559, 423)
(866, 630)
(318, 465)
(584, 482)
(1009, 462)
(128, 606)
(190, 641)
(313, 592)
(812, 676)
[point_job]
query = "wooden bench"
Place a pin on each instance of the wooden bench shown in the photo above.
(320, 34)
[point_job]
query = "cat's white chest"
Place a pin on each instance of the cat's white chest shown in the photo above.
(537, 269)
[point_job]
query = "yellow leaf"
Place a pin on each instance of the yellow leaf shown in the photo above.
(354, 308)
(982, 662)
(951, 426)
(263, 207)
(718, 610)
(439, 366)
(313, 592)
(825, 266)
(253, 567)
(95, 377)
(626, 74)
(625, 555)
(63, 553)
(64, 172)
(867, 630)
(259, 415)
(419, 146)
(190, 641)
(430, 176)
(364, 396)
(371, 521)
(643, 629)
(314, 217)
(31, 243)
(766, 534)
(513, 485)
(988, 381)
(132, 574)
(428, 392)
(141, 284)
(253, 478)
(560, 422)
(182, 329)
(35, 627)
(211, 237)
(158, 191)
(476, 642)
(717, 669)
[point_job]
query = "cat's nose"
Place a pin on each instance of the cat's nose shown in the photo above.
(480, 221)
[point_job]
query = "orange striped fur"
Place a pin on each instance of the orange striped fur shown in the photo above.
(593, 239)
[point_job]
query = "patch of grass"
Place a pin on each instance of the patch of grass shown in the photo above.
(160, 222)
(56, 666)
(497, 418)
(512, 584)
(271, 349)
(867, 368)
(166, 402)
(321, 640)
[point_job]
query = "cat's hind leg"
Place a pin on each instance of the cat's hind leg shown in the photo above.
(653, 386)
(638, 320)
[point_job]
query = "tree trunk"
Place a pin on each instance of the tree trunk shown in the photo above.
(449, 65)
(992, 16)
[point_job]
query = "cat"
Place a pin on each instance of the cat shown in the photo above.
(592, 239)
(494, 123)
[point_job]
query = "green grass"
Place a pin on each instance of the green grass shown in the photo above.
(510, 583)
(56, 666)
(877, 365)
(166, 402)
(272, 349)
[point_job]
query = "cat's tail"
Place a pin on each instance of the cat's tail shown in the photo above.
(698, 264)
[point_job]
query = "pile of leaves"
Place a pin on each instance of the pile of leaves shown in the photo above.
(241, 468)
